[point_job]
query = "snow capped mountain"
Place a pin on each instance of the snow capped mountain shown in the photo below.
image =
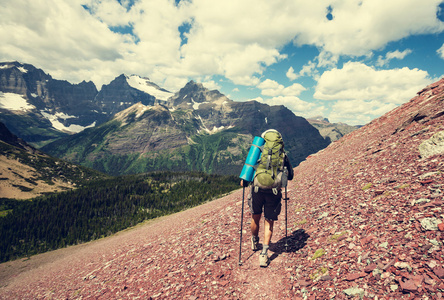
(36, 107)
(145, 85)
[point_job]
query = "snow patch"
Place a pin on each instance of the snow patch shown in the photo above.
(23, 70)
(144, 85)
(214, 130)
(196, 104)
(54, 119)
(5, 67)
(34, 95)
(266, 120)
(142, 111)
(12, 101)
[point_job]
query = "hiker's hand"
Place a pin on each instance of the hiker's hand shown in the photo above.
(244, 183)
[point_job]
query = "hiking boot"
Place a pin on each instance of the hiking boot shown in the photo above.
(263, 260)
(254, 243)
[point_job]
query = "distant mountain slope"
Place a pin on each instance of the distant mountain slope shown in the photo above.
(26, 172)
(365, 221)
(331, 131)
(198, 130)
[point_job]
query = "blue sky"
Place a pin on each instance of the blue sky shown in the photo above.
(348, 60)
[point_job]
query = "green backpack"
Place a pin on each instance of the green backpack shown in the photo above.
(271, 164)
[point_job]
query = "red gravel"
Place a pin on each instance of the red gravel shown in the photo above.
(355, 227)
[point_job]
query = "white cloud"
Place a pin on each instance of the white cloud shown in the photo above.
(391, 55)
(359, 112)
(440, 51)
(109, 11)
(287, 96)
(291, 75)
(60, 37)
(273, 88)
(291, 102)
(359, 27)
(235, 39)
(363, 93)
(211, 85)
(309, 69)
(357, 81)
(363, 107)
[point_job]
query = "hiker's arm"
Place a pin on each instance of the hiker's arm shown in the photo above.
(244, 183)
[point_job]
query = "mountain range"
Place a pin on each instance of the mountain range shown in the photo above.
(132, 125)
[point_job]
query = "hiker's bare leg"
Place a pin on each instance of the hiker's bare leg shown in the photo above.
(268, 231)
(255, 224)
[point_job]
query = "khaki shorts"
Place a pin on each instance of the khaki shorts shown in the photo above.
(266, 202)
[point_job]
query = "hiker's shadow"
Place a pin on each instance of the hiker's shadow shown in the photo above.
(294, 242)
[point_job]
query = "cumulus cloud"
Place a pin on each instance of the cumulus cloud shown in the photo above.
(231, 38)
(211, 85)
(309, 69)
(440, 51)
(293, 103)
(60, 37)
(281, 95)
(391, 55)
(110, 12)
(359, 112)
(359, 27)
(359, 81)
(291, 74)
(362, 92)
(273, 88)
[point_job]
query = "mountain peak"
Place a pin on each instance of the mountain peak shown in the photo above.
(195, 93)
(145, 85)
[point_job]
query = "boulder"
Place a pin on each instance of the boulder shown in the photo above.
(432, 146)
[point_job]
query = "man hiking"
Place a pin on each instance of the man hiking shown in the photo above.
(265, 193)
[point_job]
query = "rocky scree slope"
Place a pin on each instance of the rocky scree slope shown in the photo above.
(364, 221)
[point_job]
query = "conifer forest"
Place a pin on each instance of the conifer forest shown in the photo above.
(101, 208)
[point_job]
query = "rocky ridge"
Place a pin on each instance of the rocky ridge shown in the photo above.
(331, 131)
(365, 221)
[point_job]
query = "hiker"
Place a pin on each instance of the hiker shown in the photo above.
(266, 199)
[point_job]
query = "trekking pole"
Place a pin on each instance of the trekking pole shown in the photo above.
(284, 183)
(242, 222)
(286, 239)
